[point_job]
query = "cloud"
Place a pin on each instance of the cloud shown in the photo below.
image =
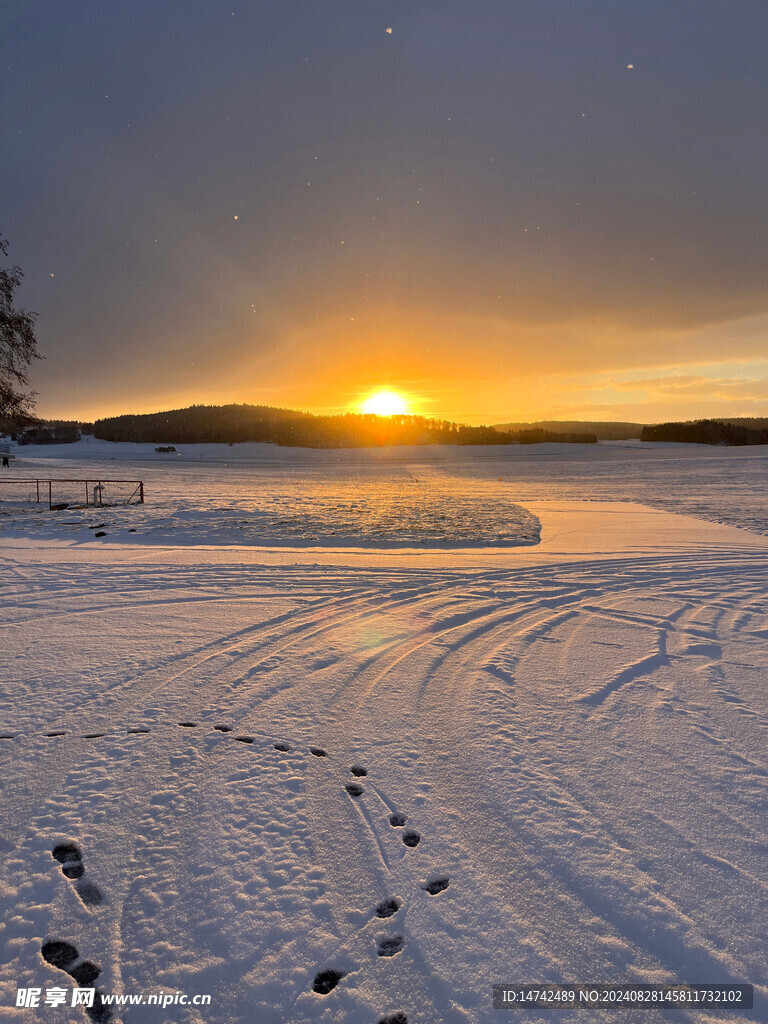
(694, 386)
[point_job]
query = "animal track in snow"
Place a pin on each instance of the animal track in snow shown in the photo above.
(358, 771)
(326, 981)
(223, 728)
(282, 747)
(318, 752)
(411, 838)
(397, 820)
(244, 739)
(390, 946)
(354, 789)
(187, 725)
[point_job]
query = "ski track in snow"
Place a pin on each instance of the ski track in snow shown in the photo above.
(572, 754)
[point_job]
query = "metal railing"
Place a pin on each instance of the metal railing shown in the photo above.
(97, 485)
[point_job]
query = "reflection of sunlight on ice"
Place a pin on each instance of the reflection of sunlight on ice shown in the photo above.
(370, 638)
(318, 505)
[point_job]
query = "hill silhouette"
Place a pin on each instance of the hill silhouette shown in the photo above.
(231, 424)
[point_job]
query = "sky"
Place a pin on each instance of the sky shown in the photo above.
(503, 209)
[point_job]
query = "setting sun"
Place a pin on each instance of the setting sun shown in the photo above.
(385, 403)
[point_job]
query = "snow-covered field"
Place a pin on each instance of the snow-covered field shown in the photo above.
(556, 751)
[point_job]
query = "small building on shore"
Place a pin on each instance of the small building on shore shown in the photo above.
(62, 432)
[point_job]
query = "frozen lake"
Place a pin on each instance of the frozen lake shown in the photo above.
(428, 496)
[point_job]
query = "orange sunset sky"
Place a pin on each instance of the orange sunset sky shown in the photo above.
(501, 211)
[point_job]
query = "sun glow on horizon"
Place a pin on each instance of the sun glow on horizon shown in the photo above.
(384, 403)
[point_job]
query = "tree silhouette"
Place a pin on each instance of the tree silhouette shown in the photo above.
(18, 347)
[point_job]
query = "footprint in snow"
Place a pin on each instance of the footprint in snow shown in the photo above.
(71, 860)
(354, 789)
(436, 884)
(223, 728)
(411, 838)
(318, 752)
(390, 946)
(394, 1018)
(388, 908)
(282, 747)
(358, 771)
(326, 981)
(187, 725)
(65, 957)
(397, 820)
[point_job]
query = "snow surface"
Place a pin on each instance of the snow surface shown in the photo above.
(575, 731)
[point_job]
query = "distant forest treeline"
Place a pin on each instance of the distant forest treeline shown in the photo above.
(730, 432)
(753, 422)
(602, 431)
(231, 424)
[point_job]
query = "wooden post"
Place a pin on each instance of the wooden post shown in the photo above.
(50, 495)
(141, 492)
